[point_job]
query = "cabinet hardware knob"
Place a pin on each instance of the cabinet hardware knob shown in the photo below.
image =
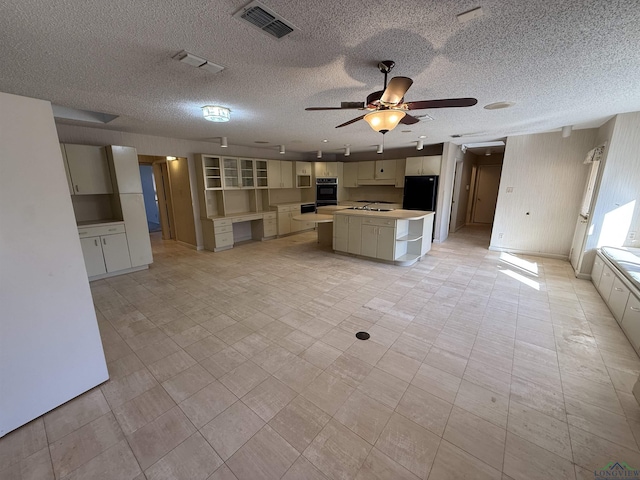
(95, 241)
(104, 241)
(618, 289)
(635, 309)
(77, 190)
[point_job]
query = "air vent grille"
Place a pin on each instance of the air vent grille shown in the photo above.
(265, 19)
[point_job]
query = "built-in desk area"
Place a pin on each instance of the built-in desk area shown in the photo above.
(239, 227)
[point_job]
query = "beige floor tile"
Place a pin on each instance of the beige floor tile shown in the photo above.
(223, 473)
(339, 339)
(409, 444)
(600, 422)
(233, 334)
(476, 436)
(303, 469)
(36, 466)
(525, 461)
(74, 414)
(223, 362)
(205, 405)
(193, 459)
(382, 335)
(337, 451)
(191, 336)
(266, 456)
(425, 409)
(398, 365)
(486, 376)
(548, 376)
(80, 446)
(622, 381)
(595, 393)
(171, 365)
(22, 443)
(275, 330)
(316, 328)
(327, 392)
(364, 416)
(141, 410)
(483, 403)
(205, 348)
(594, 453)
(452, 463)
(378, 466)
(439, 383)
(296, 319)
(251, 345)
(231, 429)
(157, 351)
(273, 358)
(368, 352)
(297, 374)
(187, 382)
(124, 366)
(411, 347)
(538, 397)
(321, 354)
(299, 422)
(117, 461)
(349, 369)
(385, 388)
(243, 378)
(268, 398)
(218, 323)
(540, 429)
(159, 437)
(123, 389)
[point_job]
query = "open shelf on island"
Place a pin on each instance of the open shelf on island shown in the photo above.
(409, 238)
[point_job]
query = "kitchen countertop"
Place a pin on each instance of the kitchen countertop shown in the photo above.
(102, 223)
(333, 208)
(398, 214)
(239, 215)
(313, 217)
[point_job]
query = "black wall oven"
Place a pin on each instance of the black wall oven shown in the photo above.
(326, 191)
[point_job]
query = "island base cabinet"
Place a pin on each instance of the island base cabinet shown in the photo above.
(631, 322)
(369, 241)
(385, 244)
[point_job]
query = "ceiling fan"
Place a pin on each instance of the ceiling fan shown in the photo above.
(388, 108)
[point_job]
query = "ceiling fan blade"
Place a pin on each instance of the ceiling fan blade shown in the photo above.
(351, 121)
(409, 120)
(396, 89)
(343, 106)
(442, 103)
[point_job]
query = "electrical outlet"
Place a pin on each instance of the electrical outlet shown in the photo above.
(500, 235)
(632, 236)
(509, 189)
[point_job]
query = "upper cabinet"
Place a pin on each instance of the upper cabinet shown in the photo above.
(88, 169)
(429, 165)
(303, 174)
(280, 174)
(230, 173)
(326, 169)
(379, 172)
(366, 171)
(212, 172)
(126, 169)
(247, 173)
(262, 180)
(303, 168)
(385, 170)
(350, 175)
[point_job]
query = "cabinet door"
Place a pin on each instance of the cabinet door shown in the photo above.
(332, 169)
(135, 222)
(385, 169)
(400, 168)
(66, 168)
(212, 173)
(303, 168)
(596, 271)
(366, 170)
(262, 180)
(431, 165)
(369, 241)
(126, 168)
(320, 169)
(355, 235)
(606, 282)
(231, 173)
(350, 174)
(116, 252)
(631, 321)
(413, 166)
(273, 174)
(296, 226)
(386, 243)
(92, 253)
(89, 169)
(284, 222)
(340, 233)
(618, 299)
(247, 173)
(286, 173)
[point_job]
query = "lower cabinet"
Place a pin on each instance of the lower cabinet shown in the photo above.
(270, 225)
(223, 234)
(631, 322)
(378, 238)
(347, 234)
(105, 253)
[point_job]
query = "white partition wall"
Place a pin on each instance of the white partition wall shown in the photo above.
(50, 348)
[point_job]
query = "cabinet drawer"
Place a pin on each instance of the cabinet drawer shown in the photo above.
(631, 321)
(96, 231)
(222, 223)
(618, 299)
(270, 216)
(224, 240)
(223, 229)
(288, 208)
(270, 230)
(382, 222)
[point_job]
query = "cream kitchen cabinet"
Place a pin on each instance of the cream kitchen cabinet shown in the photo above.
(347, 234)
(606, 283)
(126, 169)
(285, 213)
(618, 298)
(378, 238)
(400, 168)
(429, 165)
(385, 170)
(350, 175)
(270, 224)
(262, 175)
(211, 172)
(303, 168)
(379, 172)
(366, 171)
(303, 174)
(223, 234)
(280, 174)
(326, 169)
(631, 321)
(104, 248)
(230, 174)
(88, 169)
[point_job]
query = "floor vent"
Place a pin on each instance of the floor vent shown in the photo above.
(265, 19)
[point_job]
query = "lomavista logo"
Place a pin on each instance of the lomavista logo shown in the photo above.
(617, 470)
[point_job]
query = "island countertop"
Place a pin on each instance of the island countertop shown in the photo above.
(398, 214)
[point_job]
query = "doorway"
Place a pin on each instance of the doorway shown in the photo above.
(485, 194)
(150, 198)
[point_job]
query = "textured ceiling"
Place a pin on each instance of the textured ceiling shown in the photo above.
(562, 62)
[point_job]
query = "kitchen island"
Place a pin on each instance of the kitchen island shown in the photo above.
(401, 237)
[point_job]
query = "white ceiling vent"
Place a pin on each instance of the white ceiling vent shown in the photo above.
(265, 19)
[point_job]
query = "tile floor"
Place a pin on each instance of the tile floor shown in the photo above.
(243, 365)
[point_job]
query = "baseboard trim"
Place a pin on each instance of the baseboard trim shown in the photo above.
(188, 245)
(119, 272)
(557, 256)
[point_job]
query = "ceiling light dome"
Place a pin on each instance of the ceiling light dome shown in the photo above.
(215, 113)
(384, 121)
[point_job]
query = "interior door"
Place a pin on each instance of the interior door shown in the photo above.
(486, 194)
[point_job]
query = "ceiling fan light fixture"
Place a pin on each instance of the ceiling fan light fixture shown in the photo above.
(216, 113)
(384, 121)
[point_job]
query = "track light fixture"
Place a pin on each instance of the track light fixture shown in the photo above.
(319, 155)
(282, 150)
(347, 151)
(420, 144)
(223, 142)
(566, 131)
(380, 149)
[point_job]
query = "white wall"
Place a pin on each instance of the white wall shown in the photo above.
(450, 155)
(50, 348)
(618, 186)
(547, 175)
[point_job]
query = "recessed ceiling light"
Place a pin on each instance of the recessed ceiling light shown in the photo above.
(499, 105)
(325, 141)
(261, 141)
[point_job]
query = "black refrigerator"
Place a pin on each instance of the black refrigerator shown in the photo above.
(420, 193)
